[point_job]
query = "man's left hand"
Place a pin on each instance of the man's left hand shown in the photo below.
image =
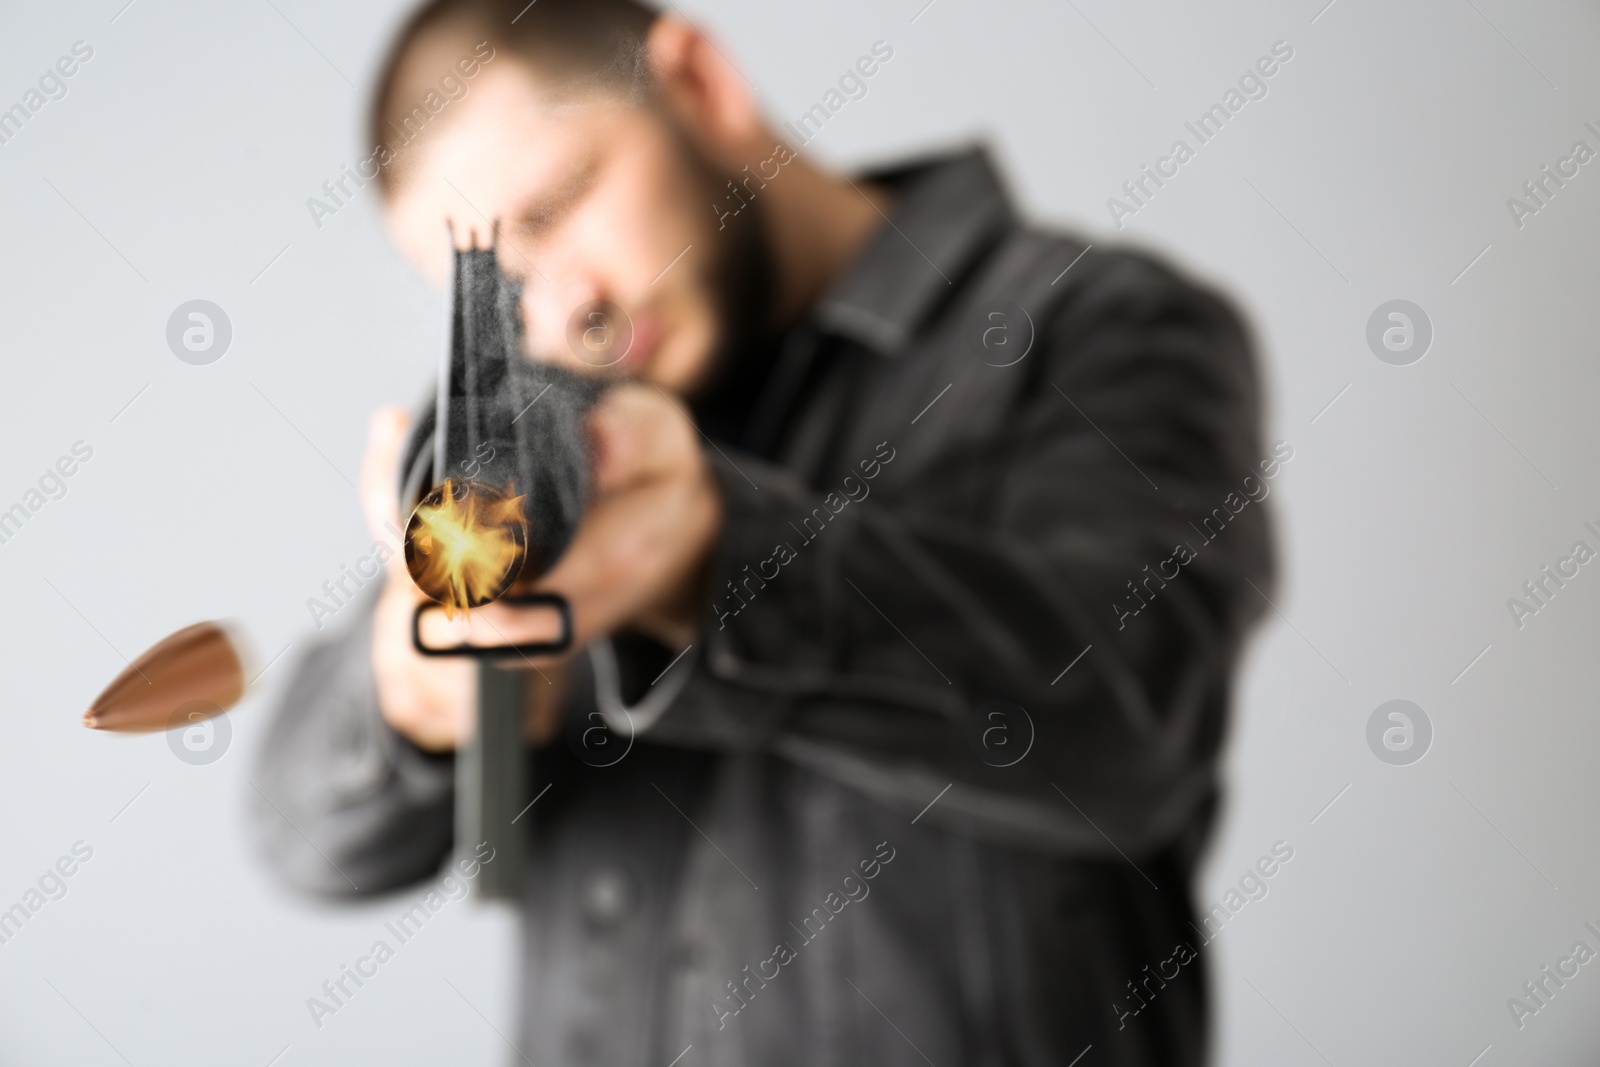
(639, 556)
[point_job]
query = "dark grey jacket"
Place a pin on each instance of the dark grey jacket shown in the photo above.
(931, 785)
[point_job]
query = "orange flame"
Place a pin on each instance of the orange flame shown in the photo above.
(465, 543)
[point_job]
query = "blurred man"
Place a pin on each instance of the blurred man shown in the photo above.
(913, 568)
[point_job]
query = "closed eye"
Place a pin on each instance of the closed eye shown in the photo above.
(545, 213)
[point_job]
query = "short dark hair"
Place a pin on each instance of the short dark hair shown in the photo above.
(581, 44)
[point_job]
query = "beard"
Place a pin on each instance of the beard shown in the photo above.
(741, 280)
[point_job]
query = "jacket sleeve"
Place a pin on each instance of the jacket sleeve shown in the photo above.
(342, 804)
(1044, 617)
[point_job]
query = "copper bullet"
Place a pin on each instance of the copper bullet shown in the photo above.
(198, 668)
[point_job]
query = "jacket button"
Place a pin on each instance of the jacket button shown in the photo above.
(607, 896)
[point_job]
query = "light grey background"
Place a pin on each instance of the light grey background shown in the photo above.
(1378, 167)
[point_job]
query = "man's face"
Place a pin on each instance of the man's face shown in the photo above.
(604, 215)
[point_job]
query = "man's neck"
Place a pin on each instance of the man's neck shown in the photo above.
(818, 224)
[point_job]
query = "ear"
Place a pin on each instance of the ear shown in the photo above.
(703, 89)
